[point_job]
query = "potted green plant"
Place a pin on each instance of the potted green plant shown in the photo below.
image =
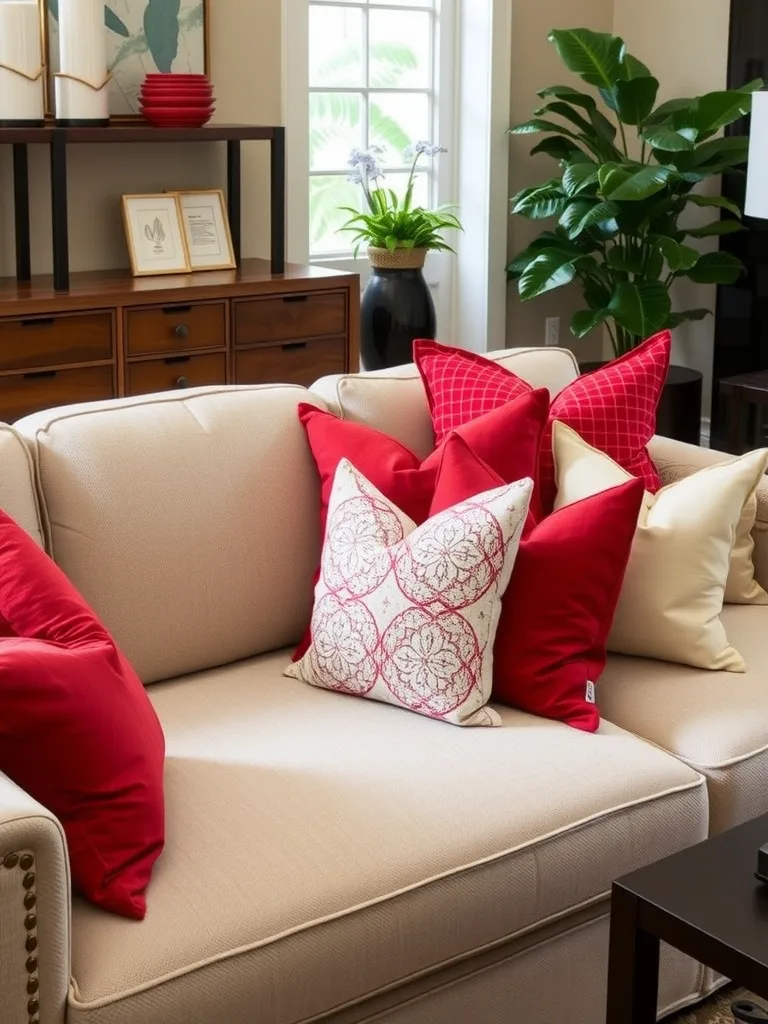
(397, 304)
(627, 172)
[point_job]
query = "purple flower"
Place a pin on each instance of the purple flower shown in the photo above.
(423, 148)
(365, 166)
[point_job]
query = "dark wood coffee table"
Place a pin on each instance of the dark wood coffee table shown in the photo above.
(704, 901)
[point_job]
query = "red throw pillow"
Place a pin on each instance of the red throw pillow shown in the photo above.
(77, 730)
(613, 408)
(559, 606)
(508, 439)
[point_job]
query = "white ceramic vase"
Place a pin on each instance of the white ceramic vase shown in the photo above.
(22, 76)
(82, 96)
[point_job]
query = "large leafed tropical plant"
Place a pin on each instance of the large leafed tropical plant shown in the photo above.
(628, 170)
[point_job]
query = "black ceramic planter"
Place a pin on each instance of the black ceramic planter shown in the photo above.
(396, 308)
(679, 412)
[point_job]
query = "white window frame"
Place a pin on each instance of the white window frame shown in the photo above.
(473, 107)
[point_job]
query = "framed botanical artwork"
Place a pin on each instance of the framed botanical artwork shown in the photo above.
(154, 233)
(206, 230)
(143, 37)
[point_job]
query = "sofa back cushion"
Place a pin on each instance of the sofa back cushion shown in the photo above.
(394, 400)
(187, 520)
(18, 495)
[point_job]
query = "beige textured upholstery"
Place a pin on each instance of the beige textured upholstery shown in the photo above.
(18, 496)
(32, 849)
(309, 831)
(675, 459)
(394, 402)
(188, 520)
(715, 721)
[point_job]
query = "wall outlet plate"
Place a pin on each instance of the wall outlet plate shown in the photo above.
(552, 330)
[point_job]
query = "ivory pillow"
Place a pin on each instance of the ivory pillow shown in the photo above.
(742, 587)
(408, 615)
(673, 590)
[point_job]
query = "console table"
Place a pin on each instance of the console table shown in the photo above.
(111, 334)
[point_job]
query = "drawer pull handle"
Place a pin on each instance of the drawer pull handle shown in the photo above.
(182, 382)
(181, 331)
(40, 321)
(170, 310)
(294, 345)
(40, 375)
(171, 360)
(295, 298)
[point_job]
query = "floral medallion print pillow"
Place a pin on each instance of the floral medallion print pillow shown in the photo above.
(407, 615)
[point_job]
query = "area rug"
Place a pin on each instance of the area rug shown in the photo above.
(716, 1010)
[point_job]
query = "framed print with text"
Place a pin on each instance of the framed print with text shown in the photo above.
(155, 235)
(206, 230)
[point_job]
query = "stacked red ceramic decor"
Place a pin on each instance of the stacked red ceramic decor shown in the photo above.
(176, 101)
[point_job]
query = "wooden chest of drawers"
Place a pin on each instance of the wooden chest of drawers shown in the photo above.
(113, 335)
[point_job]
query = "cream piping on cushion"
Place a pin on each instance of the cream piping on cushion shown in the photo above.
(672, 595)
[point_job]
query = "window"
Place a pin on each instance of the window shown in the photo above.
(373, 78)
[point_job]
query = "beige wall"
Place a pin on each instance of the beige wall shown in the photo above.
(685, 43)
(246, 73)
(535, 64)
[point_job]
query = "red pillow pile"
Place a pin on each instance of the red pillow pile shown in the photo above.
(77, 730)
(558, 609)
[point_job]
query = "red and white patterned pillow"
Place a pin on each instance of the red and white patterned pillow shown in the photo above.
(613, 408)
(408, 615)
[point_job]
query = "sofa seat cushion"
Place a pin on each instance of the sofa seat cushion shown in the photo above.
(715, 721)
(320, 848)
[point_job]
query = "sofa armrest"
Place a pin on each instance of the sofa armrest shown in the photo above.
(34, 910)
(674, 460)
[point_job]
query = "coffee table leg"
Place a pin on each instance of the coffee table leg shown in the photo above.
(735, 421)
(633, 965)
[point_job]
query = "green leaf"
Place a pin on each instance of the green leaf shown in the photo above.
(601, 215)
(675, 319)
(728, 152)
(670, 140)
(719, 201)
(114, 23)
(717, 227)
(628, 263)
(540, 124)
(587, 320)
(717, 109)
(552, 268)
(716, 268)
(629, 184)
(536, 203)
(546, 240)
(672, 111)
(579, 176)
(640, 307)
(596, 57)
(570, 95)
(678, 256)
(161, 27)
(634, 68)
(635, 99)
(558, 148)
(566, 111)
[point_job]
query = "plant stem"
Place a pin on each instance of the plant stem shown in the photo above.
(612, 336)
(623, 136)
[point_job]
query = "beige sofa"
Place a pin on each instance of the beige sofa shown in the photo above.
(333, 859)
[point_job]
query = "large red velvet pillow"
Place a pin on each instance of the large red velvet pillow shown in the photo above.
(613, 408)
(557, 612)
(507, 439)
(77, 730)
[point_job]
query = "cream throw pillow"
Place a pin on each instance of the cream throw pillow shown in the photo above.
(742, 587)
(673, 590)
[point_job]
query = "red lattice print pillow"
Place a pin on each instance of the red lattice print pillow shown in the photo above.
(408, 615)
(613, 408)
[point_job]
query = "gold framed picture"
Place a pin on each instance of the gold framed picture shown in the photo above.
(154, 233)
(206, 230)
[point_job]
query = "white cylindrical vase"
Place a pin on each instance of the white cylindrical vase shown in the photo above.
(22, 76)
(81, 83)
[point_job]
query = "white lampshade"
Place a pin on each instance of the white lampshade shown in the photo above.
(756, 204)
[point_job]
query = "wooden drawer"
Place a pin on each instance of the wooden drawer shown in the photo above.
(290, 317)
(175, 372)
(175, 328)
(23, 393)
(55, 340)
(295, 363)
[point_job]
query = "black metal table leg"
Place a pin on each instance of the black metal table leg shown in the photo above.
(59, 217)
(234, 197)
(277, 200)
(633, 965)
(21, 211)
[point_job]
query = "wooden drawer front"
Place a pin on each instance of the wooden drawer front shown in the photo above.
(175, 372)
(176, 328)
(55, 340)
(297, 363)
(290, 317)
(23, 393)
